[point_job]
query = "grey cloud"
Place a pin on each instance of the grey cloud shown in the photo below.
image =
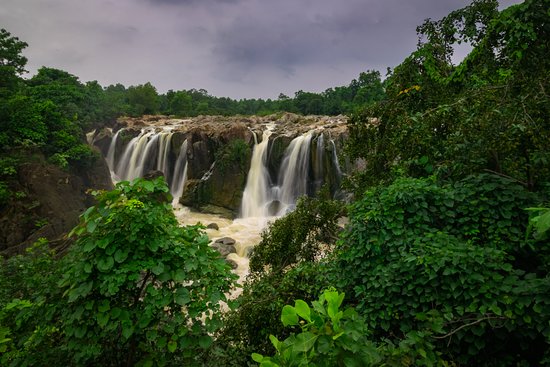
(191, 2)
(236, 48)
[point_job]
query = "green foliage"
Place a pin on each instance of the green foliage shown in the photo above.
(540, 223)
(488, 113)
(139, 288)
(301, 235)
(422, 255)
(143, 99)
(247, 328)
(29, 302)
(331, 336)
(12, 62)
(235, 155)
(5, 193)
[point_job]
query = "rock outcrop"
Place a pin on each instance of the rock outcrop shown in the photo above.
(219, 150)
(47, 201)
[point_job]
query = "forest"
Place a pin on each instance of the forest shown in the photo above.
(444, 262)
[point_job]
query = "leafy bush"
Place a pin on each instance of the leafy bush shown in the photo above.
(140, 289)
(417, 251)
(301, 235)
(333, 337)
(29, 304)
(247, 328)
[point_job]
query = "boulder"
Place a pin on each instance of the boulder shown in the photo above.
(213, 226)
(225, 246)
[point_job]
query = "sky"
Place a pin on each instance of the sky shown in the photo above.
(231, 48)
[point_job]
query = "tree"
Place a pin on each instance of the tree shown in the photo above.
(12, 62)
(143, 99)
(139, 288)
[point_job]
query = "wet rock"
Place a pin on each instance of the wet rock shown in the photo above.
(274, 207)
(226, 241)
(213, 226)
(225, 246)
(232, 263)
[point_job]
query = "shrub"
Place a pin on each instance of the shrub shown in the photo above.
(139, 288)
(418, 251)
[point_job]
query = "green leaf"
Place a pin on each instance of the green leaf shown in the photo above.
(179, 275)
(276, 343)
(289, 316)
(121, 255)
(303, 310)
(148, 185)
(305, 341)
(91, 226)
(182, 296)
(127, 330)
(158, 269)
(103, 306)
(205, 341)
(257, 357)
(105, 264)
(102, 319)
(172, 346)
(89, 245)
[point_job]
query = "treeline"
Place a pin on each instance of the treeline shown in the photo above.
(144, 99)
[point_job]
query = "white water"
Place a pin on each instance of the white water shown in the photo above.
(180, 174)
(256, 193)
(111, 152)
(293, 175)
(149, 150)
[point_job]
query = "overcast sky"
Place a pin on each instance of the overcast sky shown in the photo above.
(234, 48)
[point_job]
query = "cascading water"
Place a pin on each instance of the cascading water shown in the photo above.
(318, 169)
(256, 193)
(149, 150)
(296, 177)
(111, 152)
(164, 154)
(180, 174)
(294, 173)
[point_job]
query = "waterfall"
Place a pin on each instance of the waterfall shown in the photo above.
(164, 154)
(129, 166)
(256, 193)
(111, 152)
(260, 197)
(335, 159)
(307, 163)
(180, 174)
(149, 150)
(294, 173)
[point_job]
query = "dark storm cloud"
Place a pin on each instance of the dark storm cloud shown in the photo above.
(293, 35)
(191, 2)
(236, 48)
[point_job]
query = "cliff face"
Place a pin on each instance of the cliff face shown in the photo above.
(47, 201)
(218, 152)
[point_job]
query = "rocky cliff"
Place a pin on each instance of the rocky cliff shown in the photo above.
(46, 201)
(218, 152)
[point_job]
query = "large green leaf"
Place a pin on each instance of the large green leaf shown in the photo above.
(289, 316)
(303, 310)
